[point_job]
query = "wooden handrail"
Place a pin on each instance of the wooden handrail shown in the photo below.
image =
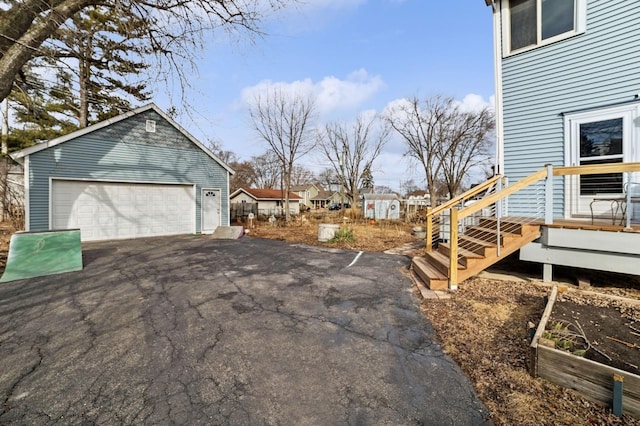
(465, 195)
(431, 212)
(505, 192)
(596, 169)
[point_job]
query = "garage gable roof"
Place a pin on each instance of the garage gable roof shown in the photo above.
(265, 194)
(73, 135)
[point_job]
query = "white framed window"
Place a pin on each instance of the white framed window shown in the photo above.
(608, 135)
(528, 24)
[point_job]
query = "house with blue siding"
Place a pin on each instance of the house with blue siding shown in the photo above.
(567, 184)
(136, 175)
(567, 94)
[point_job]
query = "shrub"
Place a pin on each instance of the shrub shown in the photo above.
(343, 235)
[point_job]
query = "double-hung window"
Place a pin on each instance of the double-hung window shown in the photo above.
(600, 142)
(532, 23)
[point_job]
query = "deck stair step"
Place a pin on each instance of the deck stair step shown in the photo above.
(514, 226)
(489, 235)
(432, 277)
(475, 245)
(477, 250)
(441, 261)
(465, 256)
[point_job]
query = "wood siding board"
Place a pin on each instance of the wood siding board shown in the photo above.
(124, 151)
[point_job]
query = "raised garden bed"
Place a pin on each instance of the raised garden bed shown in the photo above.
(560, 352)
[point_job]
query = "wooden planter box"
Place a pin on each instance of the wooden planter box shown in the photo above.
(591, 379)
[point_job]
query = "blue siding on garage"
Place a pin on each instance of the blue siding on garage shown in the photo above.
(595, 69)
(125, 151)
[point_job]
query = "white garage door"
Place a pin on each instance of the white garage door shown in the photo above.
(106, 210)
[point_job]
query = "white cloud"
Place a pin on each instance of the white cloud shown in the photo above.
(334, 94)
(473, 102)
(331, 4)
(331, 93)
(470, 102)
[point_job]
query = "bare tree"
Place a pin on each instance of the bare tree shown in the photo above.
(352, 148)
(383, 189)
(245, 176)
(216, 147)
(465, 145)
(267, 170)
(174, 28)
(419, 123)
(328, 179)
(283, 120)
(408, 186)
(301, 176)
(444, 139)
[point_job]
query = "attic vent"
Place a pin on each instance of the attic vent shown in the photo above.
(151, 126)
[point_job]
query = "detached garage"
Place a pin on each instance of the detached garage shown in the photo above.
(136, 175)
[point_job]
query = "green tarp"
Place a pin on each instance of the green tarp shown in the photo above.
(34, 254)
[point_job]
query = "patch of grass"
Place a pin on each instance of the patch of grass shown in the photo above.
(343, 235)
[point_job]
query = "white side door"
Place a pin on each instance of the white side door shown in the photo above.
(595, 137)
(211, 205)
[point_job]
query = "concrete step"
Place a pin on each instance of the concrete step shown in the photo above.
(228, 232)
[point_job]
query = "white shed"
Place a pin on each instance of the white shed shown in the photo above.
(381, 206)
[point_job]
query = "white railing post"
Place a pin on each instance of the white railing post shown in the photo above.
(547, 268)
(498, 216)
(453, 249)
(548, 196)
(628, 204)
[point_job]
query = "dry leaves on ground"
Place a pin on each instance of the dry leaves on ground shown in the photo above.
(484, 328)
(371, 238)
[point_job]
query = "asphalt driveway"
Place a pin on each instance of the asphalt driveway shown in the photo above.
(191, 330)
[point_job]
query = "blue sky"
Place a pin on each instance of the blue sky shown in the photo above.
(356, 55)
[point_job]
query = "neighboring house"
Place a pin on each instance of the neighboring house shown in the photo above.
(306, 192)
(418, 198)
(11, 191)
(324, 199)
(380, 206)
(136, 175)
(269, 201)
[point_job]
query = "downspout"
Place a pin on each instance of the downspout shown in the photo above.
(228, 210)
(27, 192)
(497, 64)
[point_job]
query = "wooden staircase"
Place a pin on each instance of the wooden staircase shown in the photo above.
(477, 250)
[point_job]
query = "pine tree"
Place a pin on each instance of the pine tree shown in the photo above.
(94, 58)
(367, 179)
(104, 51)
(33, 113)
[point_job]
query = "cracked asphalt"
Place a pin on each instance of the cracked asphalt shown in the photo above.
(191, 330)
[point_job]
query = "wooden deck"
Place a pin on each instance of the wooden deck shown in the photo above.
(597, 225)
